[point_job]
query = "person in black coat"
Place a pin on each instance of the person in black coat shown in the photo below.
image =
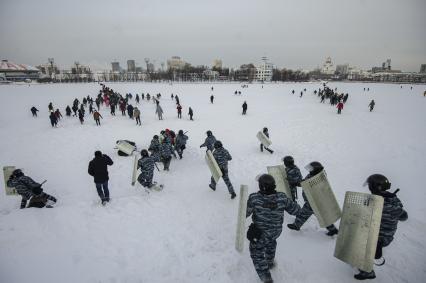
(244, 108)
(34, 111)
(53, 119)
(68, 111)
(98, 168)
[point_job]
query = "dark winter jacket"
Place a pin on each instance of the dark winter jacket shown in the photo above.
(155, 149)
(53, 117)
(181, 140)
(98, 168)
(24, 185)
(392, 213)
(268, 212)
(146, 164)
(222, 157)
(209, 142)
(166, 150)
(294, 177)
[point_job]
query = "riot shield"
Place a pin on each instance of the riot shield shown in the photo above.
(263, 139)
(241, 221)
(359, 230)
(322, 200)
(214, 168)
(7, 171)
(126, 147)
(135, 169)
(280, 176)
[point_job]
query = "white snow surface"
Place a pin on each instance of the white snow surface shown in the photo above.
(186, 232)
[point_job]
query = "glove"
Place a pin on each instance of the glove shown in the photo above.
(201, 146)
(403, 216)
(253, 233)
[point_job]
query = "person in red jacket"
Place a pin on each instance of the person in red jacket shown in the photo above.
(339, 107)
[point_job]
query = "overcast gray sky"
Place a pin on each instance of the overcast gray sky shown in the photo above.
(291, 33)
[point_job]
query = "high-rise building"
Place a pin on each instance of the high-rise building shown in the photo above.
(115, 66)
(131, 66)
(423, 68)
(264, 71)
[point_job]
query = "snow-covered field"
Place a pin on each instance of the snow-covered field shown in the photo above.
(186, 232)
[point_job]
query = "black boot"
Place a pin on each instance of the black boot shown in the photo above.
(212, 187)
(362, 275)
(293, 226)
(332, 231)
(233, 195)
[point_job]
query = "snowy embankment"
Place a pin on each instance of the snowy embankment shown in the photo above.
(186, 232)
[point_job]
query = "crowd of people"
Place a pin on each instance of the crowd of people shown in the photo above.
(113, 100)
(266, 207)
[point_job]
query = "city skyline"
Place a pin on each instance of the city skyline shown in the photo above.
(294, 35)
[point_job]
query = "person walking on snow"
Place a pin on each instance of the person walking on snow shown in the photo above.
(180, 143)
(314, 169)
(98, 168)
(130, 111)
(96, 116)
(211, 99)
(166, 153)
(179, 111)
(58, 114)
(34, 111)
(159, 111)
(294, 177)
(339, 107)
(53, 119)
(222, 157)
(266, 133)
(392, 213)
(155, 148)
(266, 207)
(190, 113)
(209, 142)
(146, 163)
(371, 105)
(244, 108)
(81, 116)
(137, 116)
(68, 111)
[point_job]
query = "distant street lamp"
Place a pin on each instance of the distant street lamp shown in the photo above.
(52, 74)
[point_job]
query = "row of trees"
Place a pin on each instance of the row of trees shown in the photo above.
(246, 72)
